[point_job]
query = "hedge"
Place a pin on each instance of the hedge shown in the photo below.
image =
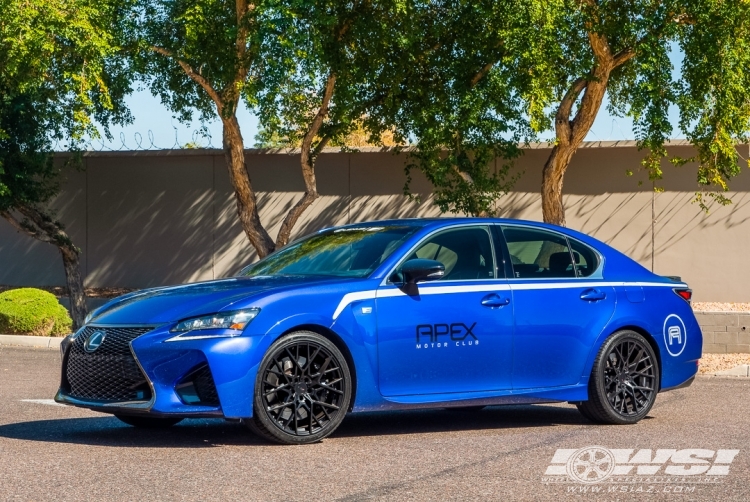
(29, 311)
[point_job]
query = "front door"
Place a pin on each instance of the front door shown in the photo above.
(560, 306)
(451, 335)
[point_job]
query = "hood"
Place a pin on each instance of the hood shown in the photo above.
(174, 303)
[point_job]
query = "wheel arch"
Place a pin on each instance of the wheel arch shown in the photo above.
(649, 338)
(335, 339)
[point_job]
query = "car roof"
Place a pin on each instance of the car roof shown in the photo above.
(447, 221)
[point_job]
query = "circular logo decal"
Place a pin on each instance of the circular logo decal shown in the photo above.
(591, 464)
(675, 335)
(94, 341)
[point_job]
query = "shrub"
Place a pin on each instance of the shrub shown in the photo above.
(29, 311)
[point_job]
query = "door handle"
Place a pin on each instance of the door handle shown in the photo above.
(493, 300)
(593, 295)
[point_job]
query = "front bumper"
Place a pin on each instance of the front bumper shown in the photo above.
(232, 363)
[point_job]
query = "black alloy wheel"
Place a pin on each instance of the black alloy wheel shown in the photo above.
(302, 391)
(146, 422)
(624, 381)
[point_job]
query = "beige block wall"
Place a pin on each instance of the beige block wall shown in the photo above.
(151, 218)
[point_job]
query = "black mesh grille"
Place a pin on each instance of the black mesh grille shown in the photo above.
(110, 373)
(205, 387)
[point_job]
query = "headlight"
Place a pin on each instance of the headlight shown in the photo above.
(235, 320)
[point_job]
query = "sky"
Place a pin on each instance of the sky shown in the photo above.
(154, 124)
(154, 127)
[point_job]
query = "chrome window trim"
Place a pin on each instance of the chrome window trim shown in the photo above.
(596, 274)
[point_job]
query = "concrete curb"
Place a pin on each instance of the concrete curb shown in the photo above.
(43, 342)
(743, 370)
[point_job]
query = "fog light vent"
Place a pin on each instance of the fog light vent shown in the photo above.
(198, 388)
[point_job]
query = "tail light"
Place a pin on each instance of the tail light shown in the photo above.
(684, 293)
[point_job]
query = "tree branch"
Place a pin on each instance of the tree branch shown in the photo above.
(317, 121)
(26, 229)
(196, 77)
(623, 57)
(242, 10)
(562, 117)
(481, 73)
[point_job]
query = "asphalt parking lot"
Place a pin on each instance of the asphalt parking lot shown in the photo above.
(52, 452)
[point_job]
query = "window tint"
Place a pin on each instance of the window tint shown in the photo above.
(586, 259)
(538, 253)
(465, 252)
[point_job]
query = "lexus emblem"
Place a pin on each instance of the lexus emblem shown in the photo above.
(94, 341)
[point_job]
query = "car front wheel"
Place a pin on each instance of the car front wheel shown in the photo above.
(302, 391)
(624, 380)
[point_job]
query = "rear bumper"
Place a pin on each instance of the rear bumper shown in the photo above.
(686, 383)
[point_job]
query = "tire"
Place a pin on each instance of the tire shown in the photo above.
(146, 422)
(624, 380)
(302, 390)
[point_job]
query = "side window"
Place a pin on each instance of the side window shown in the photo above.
(586, 259)
(538, 253)
(465, 252)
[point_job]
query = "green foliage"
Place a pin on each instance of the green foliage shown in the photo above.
(203, 34)
(29, 311)
(58, 73)
(307, 43)
(467, 80)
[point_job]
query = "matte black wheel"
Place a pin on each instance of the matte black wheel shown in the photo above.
(302, 391)
(146, 422)
(624, 381)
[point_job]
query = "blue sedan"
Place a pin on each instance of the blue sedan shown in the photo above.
(392, 315)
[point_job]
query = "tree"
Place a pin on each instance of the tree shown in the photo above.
(290, 60)
(452, 85)
(554, 61)
(55, 75)
(320, 55)
(623, 49)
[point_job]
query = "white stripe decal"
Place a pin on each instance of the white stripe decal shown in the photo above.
(352, 297)
(480, 288)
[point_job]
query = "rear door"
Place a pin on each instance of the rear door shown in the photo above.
(560, 305)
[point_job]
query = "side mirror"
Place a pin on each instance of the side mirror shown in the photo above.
(419, 270)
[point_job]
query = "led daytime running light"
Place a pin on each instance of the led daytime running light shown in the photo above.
(235, 320)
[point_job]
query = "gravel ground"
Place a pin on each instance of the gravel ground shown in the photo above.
(721, 307)
(711, 363)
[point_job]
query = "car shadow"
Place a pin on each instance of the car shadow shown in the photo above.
(207, 433)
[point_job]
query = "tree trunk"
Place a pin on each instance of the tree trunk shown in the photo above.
(39, 225)
(307, 163)
(247, 204)
(553, 209)
(311, 193)
(76, 294)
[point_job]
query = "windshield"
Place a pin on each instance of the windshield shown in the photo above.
(342, 252)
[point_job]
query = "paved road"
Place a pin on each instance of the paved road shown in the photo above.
(502, 453)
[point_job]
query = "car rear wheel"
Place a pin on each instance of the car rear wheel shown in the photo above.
(148, 422)
(302, 391)
(624, 380)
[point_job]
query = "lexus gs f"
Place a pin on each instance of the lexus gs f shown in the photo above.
(392, 315)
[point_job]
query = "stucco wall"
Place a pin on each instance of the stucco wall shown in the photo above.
(152, 218)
